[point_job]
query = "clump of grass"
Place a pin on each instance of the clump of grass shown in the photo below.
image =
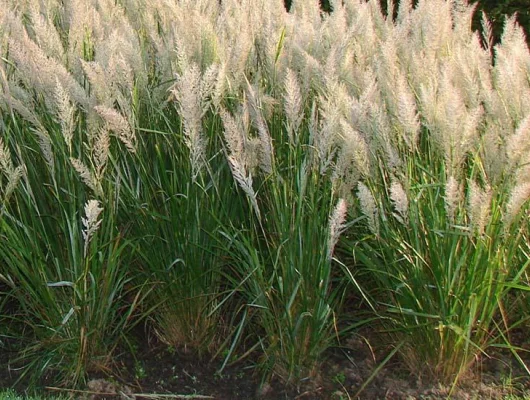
(443, 194)
(63, 253)
(442, 274)
(176, 217)
(63, 263)
(282, 257)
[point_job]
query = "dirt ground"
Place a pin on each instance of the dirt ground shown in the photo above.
(349, 372)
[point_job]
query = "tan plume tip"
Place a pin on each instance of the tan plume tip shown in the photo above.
(5, 159)
(91, 221)
(119, 125)
(400, 201)
(245, 182)
(336, 225)
(85, 174)
(293, 104)
(520, 194)
(453, 196)
(368, 207)
(479, 205)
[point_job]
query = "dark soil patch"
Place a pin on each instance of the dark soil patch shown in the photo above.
(159, 370)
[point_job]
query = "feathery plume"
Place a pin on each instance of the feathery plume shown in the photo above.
(324, 136)
(119, 125)
(400, 201)
(407, 114)
(101, 152)
(90, 222)
(41, 72)
(242, 147)
(220, 87)
(469, 127)
(345, 172)
(244, 180)
(65, 112)
(518, 143)
(336, 225)
(368, 207)
(20, 100)
(86, 175)
(487, 31)
(234, 135)
(510, 71)
(46, 36)
(356, 142)
(12, 181)
(292, 104)
(190, 96)
(479, 205)
(5, 159)
(453, 197)
(208, 85)
(45, 144)
(99, 84)
(519, 195)
(266, 150)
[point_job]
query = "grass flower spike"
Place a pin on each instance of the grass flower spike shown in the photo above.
(91, 222)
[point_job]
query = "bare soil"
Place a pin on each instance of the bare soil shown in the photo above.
(349, 372)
